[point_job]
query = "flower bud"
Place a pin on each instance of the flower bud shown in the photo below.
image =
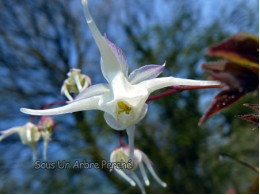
(46, 126)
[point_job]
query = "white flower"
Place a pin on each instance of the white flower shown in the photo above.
(29, 135)
(121, 155)
(76, 83)
(123, 98)
(46, 126)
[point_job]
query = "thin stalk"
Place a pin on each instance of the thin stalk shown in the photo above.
(177, 89)
(253, 168)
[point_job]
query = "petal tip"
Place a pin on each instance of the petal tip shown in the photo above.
(23, 110)
(28, 111)
(147, 183)
(133, 183)
(164, 184)
(164, 64)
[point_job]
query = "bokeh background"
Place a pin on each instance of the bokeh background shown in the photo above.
(41, 40)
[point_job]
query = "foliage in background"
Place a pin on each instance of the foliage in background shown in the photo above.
(240, 72)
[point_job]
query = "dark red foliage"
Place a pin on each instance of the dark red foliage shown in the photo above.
(239, 73)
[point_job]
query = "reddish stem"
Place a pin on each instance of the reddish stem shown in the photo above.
(253, 168)
(121, 139)
(177, 89)
(53, 103)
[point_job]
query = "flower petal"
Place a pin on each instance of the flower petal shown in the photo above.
(34, 152)
(66, 93)
(150, 168)
(9, 132)
(159, 83)
(45, 147)
(125, 121)
(119, 55)
(143, 172)
(85, 104)
(110, 64)
(111, 121)
(145, 73)
(93, 90)
(125, 176)
(139, 183)
(30, 134)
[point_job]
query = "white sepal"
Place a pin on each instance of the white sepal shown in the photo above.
(84, 104)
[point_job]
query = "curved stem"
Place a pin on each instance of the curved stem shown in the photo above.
(177, 89)
(255, 169)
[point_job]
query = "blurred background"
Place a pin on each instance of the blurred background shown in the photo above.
(41, 40)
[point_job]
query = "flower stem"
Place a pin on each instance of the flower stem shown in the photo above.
(131, 132)
(53, 103)
(177, 89)
(255, 169)
(121, 139)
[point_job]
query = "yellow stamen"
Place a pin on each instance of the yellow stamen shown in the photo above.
(123, 107)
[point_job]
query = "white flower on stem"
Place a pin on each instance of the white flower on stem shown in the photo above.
(75, 84)
(121, 155)
(46, 126)
(29, 135)
(123, 98)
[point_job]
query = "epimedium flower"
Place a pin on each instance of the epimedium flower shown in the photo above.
(123, 97)
(121, 155)
(29, 135)
(75, 83)
(46, 126)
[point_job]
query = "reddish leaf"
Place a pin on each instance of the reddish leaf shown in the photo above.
(254, 118)
(239, 81)
(222, 100)
(252, 106)
(241, 48)
(233, 75)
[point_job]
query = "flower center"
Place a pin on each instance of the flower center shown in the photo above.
(123, 108)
